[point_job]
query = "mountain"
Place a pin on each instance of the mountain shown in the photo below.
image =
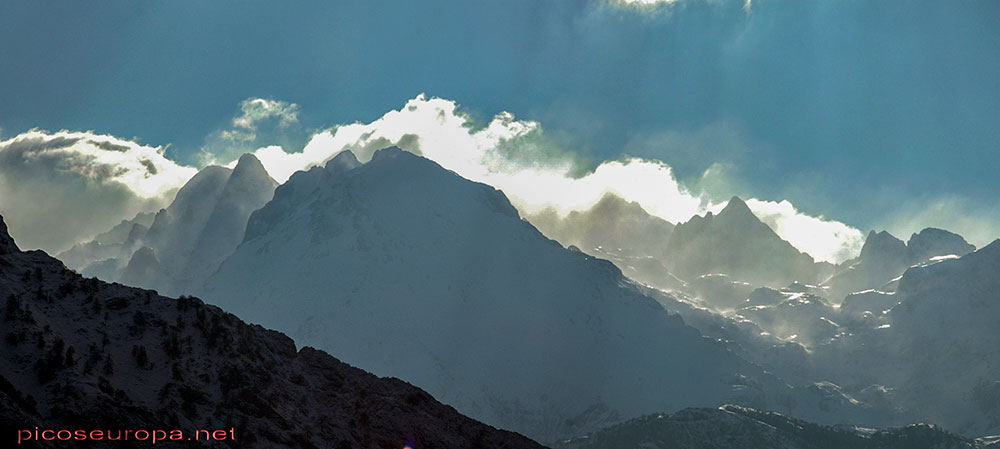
(84, 354)
(932, 242)
(931, 343)
(185, 242)
(946, 328)
(619, 231)
(884, 258)
(736, 243)
(612, 223)
(120, 239)
(733, 427)
(406, 269)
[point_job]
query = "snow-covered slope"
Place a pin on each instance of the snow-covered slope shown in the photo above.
(406, 269)
(932, 343)
(732, 427)
(83, 354)
(736, 243)
(947, 322)
(185, 242)
(791, 316)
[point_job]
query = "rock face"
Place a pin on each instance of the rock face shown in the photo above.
(406, 269)
(731, 427)
(736, 243)
(83, 354)
(7, 245)
(188, 239)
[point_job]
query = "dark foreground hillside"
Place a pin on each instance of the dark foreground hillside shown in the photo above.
(81, 354)
(733, 427)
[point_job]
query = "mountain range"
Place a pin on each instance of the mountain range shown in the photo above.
(405, 269)
(184, 243)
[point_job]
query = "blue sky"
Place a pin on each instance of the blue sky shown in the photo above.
(874, 113)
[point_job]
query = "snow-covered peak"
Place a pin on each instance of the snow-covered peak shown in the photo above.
(932, 242)
(884, 258)
(968, 275)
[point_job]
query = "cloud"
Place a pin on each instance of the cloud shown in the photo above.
(66, 186)
(825, 240)
(517, 157)
(259, 122)
(747, 4)
(58, 188)
(642, 2)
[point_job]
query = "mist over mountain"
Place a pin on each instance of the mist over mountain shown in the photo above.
(80, 353)
(735, 242)
(619, 231)
(185, 242)
(611, 225)
(406, 269)
(409, 270)
(597, 223)
(719, 258)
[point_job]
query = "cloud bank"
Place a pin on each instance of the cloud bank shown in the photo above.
(58, 188)
(98, 180)
(516, 157)
(825, 240)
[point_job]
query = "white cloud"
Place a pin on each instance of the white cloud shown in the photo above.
(825, 240)
(259, 122)
(747, 4)
(60, 187)
(514, 156)
(66, 186)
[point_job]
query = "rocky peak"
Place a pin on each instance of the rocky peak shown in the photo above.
(388, 153)
(7, 244)
(737, 208)
(883, 246)
(343, 161)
